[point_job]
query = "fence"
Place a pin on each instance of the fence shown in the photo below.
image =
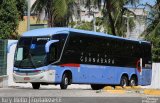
(3, 63)
(3, 57)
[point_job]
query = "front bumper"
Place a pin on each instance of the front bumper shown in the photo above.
(45, 77)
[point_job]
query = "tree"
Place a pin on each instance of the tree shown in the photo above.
(152, 33)
(8, 18)
(113, 11)
(57, 12)
(21, 7)
(84, 25)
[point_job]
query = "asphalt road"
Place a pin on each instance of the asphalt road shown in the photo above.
(71, 95)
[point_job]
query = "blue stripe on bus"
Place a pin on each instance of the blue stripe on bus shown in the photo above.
(90, 74)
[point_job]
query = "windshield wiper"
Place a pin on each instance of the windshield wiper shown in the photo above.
(19, 65)
(31, 60)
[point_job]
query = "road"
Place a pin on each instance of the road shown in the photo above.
(75, 94)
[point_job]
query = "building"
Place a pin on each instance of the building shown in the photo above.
(87, 16)
(140, 22)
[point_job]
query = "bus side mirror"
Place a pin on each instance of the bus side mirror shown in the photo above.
(48, 44)
(10, 45)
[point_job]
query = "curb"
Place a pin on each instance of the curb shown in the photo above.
(118, 88)
(135, 89)
(128, 88)
(152, 92)
(116, 91)
(108, 88)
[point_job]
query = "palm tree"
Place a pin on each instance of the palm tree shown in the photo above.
(153, 20)
(57, 12)
(72, 10)
(113, 11)
(152, 32)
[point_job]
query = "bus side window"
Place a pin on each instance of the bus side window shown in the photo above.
(53, 53)
(72, 45)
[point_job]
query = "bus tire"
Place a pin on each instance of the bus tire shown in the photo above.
(124, 81)
(97, 86)
(65, 81)
(35, 85)
(133, 81)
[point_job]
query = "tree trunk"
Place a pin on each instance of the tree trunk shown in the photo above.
(50, 20)
(108, 8)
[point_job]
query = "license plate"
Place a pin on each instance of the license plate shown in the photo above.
(26, 78)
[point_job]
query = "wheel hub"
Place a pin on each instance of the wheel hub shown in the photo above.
(66, 81)
(124, 83)
(133, 83)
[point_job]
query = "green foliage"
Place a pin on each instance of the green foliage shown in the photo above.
(85, 26)
(21, 7)
(58, 12)
(102, 25)
(113, 11)
(72, 24)
(8, 18)
(154, 37)
(152, 32)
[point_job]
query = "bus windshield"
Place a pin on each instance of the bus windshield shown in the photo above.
(30, 52)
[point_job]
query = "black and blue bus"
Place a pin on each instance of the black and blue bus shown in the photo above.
(69, 56)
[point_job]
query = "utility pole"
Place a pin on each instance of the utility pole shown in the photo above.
(28, 15)
(94, 22)
(128, 30)
(94, 18)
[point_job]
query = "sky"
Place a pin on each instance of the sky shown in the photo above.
(152, 2)
(143, 2)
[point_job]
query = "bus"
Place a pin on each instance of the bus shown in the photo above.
(64, 56)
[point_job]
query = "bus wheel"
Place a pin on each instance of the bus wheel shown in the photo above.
(97, 86)
(65, 81)
(133, 81)
(124, 81)
(36, 85)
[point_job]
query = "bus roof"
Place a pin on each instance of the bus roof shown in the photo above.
(52, 31)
